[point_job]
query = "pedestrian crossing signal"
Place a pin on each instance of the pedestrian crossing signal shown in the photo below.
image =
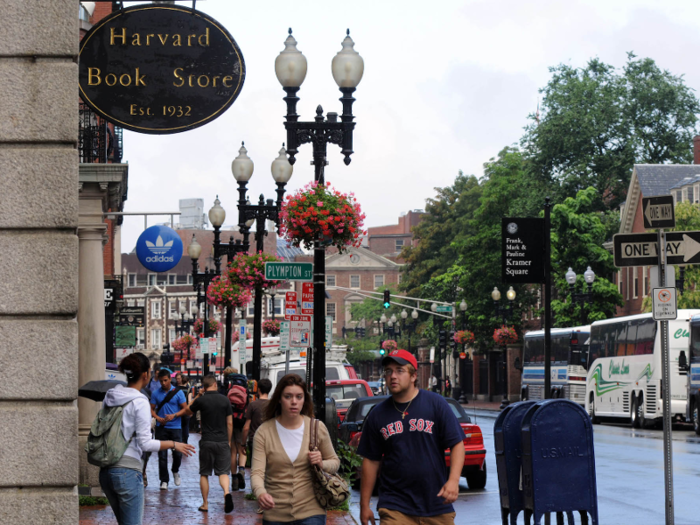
(387, 298)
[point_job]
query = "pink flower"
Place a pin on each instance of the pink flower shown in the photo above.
(319, 204)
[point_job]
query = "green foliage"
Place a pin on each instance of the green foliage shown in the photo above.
(372, 309)
(90, 501)
(687, 219)
(597, 121)
(350, 461)
(578, 234)
(250, 497)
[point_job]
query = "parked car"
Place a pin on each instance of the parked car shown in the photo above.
(345, 391)
(377, 388)
(474, 469)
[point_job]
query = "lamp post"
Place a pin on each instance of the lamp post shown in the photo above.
(347, 68)
(242, 168)
(463, 395)
(584, 297)
(506, 313)
(411, 325)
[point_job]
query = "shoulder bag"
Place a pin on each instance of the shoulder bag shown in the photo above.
(331, 490)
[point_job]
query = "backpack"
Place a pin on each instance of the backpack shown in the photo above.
(238, 396)
(106, 444)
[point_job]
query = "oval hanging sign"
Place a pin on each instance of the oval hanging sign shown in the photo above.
(160, 69)
(159, 248)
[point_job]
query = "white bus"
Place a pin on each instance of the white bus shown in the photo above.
(624, 373)
(568, 360)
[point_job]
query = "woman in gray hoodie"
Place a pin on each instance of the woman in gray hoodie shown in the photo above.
(122, 482)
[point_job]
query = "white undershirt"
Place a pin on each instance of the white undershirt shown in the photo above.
(291, 440)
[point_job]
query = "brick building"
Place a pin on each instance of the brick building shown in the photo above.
(389, 240)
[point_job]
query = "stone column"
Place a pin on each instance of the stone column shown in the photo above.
(38, 262)
(91, 314)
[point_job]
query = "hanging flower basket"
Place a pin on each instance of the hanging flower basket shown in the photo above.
(505, 335)
(214, 326)
(464, 337)
(271, 327)
(248, 271)
(223, 292)
(184, 343)
(319, 210)
(389, 345)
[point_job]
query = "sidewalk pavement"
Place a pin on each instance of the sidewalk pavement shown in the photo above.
(482, 405)
(180, 504)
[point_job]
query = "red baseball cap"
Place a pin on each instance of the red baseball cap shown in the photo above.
(401, 357)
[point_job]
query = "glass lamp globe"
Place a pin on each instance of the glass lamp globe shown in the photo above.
(570, 276)
(347, 66)
(194, 250)
(383, 318)
(242, 166)
(589, 276)
(510, 294)
(433, 307)
(281, 168)
(183, 310)
(290, 64)
(463, 306)
(393, 318)
(217, 215)
(496, 295)
(404, 314)
(194, 311)
(414, 314)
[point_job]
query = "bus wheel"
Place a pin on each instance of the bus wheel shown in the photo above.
(641, 420)
(634, 412)
(696, 418)
(591, 410)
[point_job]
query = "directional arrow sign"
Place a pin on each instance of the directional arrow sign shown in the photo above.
(659, 212)
(640, 249)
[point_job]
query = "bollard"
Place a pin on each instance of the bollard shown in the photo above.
(558, 462)
(508, 448)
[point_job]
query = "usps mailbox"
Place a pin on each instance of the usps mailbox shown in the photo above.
(558, 461)
(508, 447)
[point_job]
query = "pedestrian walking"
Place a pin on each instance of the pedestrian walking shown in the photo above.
(183, 383)
(448, 387)
(433, 383)
(165, 402)
(237, 392)
(254, 415)
(282, 463)
(214, 447)
(122, 482)
(408, 434)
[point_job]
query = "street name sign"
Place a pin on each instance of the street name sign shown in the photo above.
(522, 250)
(290, 305)
(664, 304)
(659, 212)
(640, 249)
(275, 271)
(445, 308)
(159, 69)
(307, 299)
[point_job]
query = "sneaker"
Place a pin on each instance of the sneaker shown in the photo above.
(176, 477)
(164, 485)
(241, 479)
(234, 483)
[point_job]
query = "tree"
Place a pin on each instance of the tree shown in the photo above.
(371, 310)
(598, 121)
(578, 234)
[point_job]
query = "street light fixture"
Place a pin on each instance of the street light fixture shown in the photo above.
(584, 297)
(505, 313)
(347, 68)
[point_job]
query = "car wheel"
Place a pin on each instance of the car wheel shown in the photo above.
(591, 410)
(476, 479)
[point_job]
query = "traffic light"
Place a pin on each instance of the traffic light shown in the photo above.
(453, 344)
(442, 339)
(381, 348)
(387, 298)
(362, 332)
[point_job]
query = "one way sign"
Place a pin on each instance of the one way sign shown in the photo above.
(659, 212)
(640, 249)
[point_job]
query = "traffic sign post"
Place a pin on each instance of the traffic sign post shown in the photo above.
(300, 331)
(641, 249)
(659, 212)
(664, 302)
(290, 305)
(307, 299)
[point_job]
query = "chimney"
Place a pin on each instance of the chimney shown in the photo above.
(696, 149)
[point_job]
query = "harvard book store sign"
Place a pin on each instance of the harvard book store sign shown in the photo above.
(160, 69)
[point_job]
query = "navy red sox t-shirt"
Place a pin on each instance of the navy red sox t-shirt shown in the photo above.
(413, 451)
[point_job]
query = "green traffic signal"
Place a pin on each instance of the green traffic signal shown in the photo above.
(382, 351)
(387, 299)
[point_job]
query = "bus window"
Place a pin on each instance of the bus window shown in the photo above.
(631, 337)
(534, 349)
(609, 331)
(646, 332)
(620, 339)
(597, 344)
(560, 348)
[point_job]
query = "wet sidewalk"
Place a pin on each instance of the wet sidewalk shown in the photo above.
(180, 504)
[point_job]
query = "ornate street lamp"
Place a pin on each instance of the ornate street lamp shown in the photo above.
(584, 297)
(506, 313)
(347, 68)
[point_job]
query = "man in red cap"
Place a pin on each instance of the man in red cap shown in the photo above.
(408, 434)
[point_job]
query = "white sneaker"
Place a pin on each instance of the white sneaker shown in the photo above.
(176, 477)
(164, 486)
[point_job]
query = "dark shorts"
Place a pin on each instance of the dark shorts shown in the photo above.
(216, 456)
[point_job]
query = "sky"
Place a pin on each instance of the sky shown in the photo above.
(447, 84)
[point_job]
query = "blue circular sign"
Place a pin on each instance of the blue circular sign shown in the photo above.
(159, 248)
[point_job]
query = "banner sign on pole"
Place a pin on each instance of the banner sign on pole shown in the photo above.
(522, 250)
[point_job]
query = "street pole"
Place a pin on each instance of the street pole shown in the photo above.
(319, 358)
(666, 391)
(547, 299)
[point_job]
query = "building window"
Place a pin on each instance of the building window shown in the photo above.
(131, 280)
(679, 196)
(330, 280)
(189, 278)
(171, 335)
(275, 305)
(354, 281)
(628, 283)
(400, 278)
(155, 309)
(399, 245)
(156, 341)
(619, 282)
(172, 309)
(635, 282)
(140, 302)
(250, 310)
(690, 194)
(330, 310)
(172, 278)
(141, 337)
(378, 281)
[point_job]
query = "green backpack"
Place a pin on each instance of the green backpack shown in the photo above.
(106, 444)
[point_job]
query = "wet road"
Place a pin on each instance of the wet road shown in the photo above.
(630, 478)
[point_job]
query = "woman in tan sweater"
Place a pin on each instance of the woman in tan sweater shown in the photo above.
(282, 478)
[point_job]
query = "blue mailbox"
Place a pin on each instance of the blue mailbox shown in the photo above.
(558, 461)
(508, 447)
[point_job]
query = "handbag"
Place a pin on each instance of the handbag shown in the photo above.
(330, 489)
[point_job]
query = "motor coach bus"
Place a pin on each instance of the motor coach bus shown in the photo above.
(568, 361)
(624, 372)
(690, 364)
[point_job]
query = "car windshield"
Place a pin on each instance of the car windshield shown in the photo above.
(338, 392)
(331, 373)
(459, 412)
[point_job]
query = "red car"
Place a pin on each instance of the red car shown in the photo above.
(474, 468)
(345, 391)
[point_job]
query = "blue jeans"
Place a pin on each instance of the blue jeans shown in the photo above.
(124, 490)
(319, 519)
(168, 434)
